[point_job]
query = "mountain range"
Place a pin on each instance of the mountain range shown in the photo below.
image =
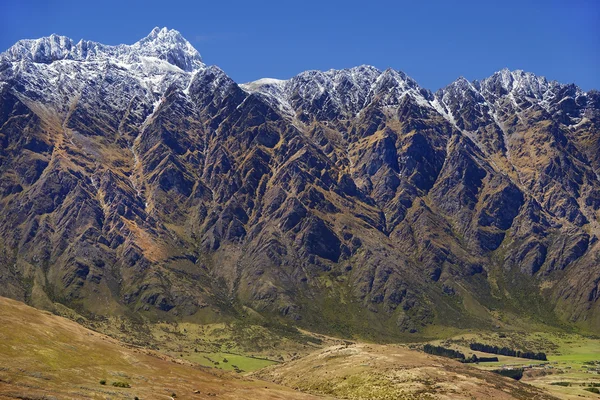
(137, 180)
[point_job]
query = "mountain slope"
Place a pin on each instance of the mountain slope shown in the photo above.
(52, 356)
(137, 179)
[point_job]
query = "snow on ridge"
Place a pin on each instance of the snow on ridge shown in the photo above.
(55, 64)
(518, 86)
(56, 70)
(258, 85)
(167, 45)
(269, 81)
(347, 90)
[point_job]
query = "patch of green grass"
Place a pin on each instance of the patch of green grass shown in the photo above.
(268, 339)
(567, 352)
(234, 361)
(575, 357)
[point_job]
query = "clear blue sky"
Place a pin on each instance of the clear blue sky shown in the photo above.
(433, 41)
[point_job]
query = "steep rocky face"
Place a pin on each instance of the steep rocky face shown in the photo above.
(138, 179)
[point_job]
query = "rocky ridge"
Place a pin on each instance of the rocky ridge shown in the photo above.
(138, 179)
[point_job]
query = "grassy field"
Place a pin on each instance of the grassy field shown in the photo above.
(246, 347)
(573, 359)
(228, 361)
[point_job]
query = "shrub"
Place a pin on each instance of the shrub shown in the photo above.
(593, 390)
(121, 384)
(103, 381)
(516, 373)
(561, 383)
(472, 359)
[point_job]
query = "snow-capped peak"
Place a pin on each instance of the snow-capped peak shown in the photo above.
(519, 83)
(261, 83)
(43, 50)
(461, 89)
(164, 44)
(170, 46)
(56, 71)
(345, 91)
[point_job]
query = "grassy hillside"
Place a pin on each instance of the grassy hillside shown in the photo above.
(43, 356)
(379, 372)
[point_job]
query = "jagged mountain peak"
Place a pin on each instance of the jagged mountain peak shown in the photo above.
(516, 89)
(340, 91)
(63, 68)
(164, 44)
(362, 77)
(461, 82)
(518, 82)
(393, 78)
(125, 164)
(170, 45)
(460, 88)
(161, 32)
(166, 36)
(42, 50)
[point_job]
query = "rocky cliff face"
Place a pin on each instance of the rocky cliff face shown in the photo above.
(138, 179)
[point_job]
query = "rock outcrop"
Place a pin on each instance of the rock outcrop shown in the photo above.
(138, 179)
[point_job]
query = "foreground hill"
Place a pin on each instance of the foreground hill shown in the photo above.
(136, 180)
(43, 356)
(368, 371)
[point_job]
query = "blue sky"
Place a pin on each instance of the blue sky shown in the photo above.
(433, 41)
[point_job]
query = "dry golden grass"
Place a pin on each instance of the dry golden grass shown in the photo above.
(368, 371)
(43, 356)
(152, 250)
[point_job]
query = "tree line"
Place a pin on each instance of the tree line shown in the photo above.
(442, 351)
(505, 351)
(445, 352)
